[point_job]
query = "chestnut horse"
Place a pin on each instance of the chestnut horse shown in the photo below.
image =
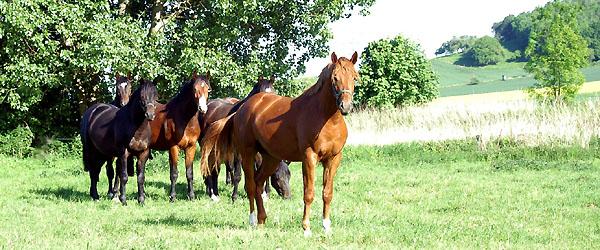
(309, 128)
(176, 127)
(218, 109)
(108, 132)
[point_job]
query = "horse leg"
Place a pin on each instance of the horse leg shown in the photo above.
(110, 173)
(115, 186)
(237, 177)
(94, 177)
(141, 175)
(123, 176)
(190, 152)
(228, 173)
(173, 155)
(214, 185)
(268, 167)
(330, 167)
(248, 166)
(308, 179)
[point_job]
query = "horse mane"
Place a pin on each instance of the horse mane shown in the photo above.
(326, 75)
(237, 105)
(185, 89)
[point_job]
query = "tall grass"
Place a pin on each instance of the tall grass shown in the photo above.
(524, 121)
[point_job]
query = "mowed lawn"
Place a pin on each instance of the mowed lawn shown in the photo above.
(421, 195)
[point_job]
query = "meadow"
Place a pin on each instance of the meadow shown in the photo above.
(536, 190)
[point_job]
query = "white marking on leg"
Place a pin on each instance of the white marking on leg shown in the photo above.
(264, 195)
(215, 198)
(252, 220)
(307, 232)
(327, 225)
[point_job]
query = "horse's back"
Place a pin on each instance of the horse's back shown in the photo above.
(99, 130)
(270, 120)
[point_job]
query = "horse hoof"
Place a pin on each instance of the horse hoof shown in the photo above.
(234, 198)
(307, 232)
(110, 195)
(215, 198)
(192, 196)
(252, 220)
(172, 199)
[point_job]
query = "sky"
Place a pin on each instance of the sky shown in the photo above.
(427, 22)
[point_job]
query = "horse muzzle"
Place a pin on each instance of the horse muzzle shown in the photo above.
(150, 116)
(345, 107)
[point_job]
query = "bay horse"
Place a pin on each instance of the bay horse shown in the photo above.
(108, 132)
(176, 127)
(220, 108)
(309, 128)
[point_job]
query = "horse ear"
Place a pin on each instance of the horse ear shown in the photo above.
(194, 75)
(272, 80)
(208, 74)
(141, 81)
(155, 81)
(260, 78)
(333, 57)
(128, 75)
(354, 57)
(118, 75)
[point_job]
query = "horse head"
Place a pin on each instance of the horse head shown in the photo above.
(342, 81)
(264, 85)
(201, 89)
(280, 180)
(123, 89)
(148, 97)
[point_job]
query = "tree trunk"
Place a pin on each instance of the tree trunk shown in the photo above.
(158, 19)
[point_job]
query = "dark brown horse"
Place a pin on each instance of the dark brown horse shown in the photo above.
(218, 109)
(123, 93)
(107, 132)
(309, 129)
(176, 127)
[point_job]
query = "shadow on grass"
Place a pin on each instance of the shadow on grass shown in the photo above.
(61, 193)
(174, 221)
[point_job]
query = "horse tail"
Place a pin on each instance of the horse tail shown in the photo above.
(217, 145)
(83, 130)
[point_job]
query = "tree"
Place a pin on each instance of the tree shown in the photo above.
(395, 72)
(487, 50)
(557, 53)
(59, 57)
(456, 45)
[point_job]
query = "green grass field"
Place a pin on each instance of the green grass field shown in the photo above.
(456, 79)
(418, 195)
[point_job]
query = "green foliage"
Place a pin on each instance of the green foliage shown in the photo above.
(487, 50)
(395, 72)
(58, 58)
(557, 53)
(456, 45)
(17, 142)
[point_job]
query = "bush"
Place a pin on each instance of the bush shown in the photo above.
(487, 50)
(17, 142)
(395, 72)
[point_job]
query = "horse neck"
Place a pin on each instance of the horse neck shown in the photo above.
(183, 105)
(322, 102)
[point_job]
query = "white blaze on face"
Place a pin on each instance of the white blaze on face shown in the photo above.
(202, 104)
(268, 90)
(123, 85)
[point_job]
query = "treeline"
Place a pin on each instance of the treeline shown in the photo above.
(59, 57)
(512, 34)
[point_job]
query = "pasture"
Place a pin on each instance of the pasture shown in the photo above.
(424, 195)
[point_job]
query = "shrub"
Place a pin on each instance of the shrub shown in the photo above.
(17, 142)
(395, 72)
(487, 50)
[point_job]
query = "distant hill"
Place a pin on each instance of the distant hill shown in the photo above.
(458, 80)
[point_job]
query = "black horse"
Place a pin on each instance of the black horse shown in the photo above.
(221, 108)
(107, 132)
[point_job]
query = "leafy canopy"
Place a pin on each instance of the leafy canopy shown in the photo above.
(557, 53)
